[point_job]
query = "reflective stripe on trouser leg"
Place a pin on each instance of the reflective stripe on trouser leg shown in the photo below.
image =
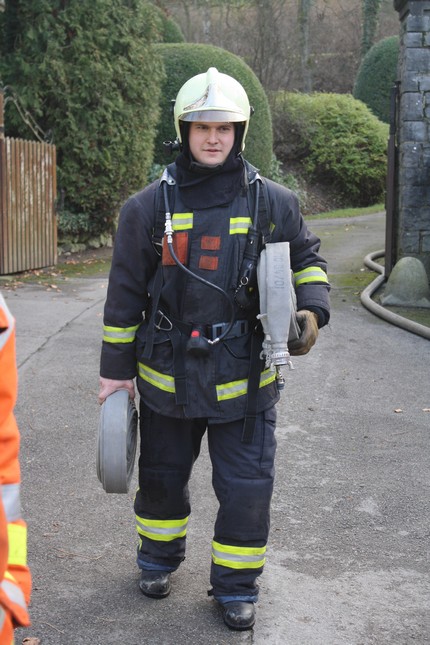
(169, 448)
(238, 557)
(243, 476)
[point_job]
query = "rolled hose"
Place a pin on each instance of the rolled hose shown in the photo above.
(116, 442)
(371, 305)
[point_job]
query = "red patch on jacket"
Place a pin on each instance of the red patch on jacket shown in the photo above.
(180, 248)
(210, 243)
(208, 262)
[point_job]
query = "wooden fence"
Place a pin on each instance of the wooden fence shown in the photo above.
(28, 224)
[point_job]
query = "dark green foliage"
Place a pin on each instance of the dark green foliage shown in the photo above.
(338, 141)
(376, 76)
(170, 31)
(87, 71)
(74, 224)
(371, 11)
(182, 61)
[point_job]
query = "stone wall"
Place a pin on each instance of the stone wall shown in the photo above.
(413, 208)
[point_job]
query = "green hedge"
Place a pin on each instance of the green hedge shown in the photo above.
(87, 72)
(376, 76)
(169, 30)
(338, 141)
(182, 61)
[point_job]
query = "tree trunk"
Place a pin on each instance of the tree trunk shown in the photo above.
(304, 10)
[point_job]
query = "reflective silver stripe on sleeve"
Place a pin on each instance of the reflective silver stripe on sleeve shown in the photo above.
(11, 501)
(14, 593)
(119, 334)
(310, 274)
(5, 335)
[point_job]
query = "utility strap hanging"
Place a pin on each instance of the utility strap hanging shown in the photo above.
(255, 368)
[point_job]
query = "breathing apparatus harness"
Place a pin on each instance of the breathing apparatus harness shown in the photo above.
(190, 338)
(197, 343)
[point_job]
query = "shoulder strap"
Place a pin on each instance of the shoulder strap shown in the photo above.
(261, 210)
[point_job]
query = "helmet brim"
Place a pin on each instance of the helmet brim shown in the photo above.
(212, 116)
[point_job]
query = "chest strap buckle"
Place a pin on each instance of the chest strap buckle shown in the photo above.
(240, 328)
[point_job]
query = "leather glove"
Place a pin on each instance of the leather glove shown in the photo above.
(308, 323)
(109, 386)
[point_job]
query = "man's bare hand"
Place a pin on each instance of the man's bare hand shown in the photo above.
(109, 386)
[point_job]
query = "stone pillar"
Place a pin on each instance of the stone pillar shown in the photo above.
(413, 208)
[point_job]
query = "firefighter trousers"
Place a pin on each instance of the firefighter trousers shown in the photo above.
(242, 478)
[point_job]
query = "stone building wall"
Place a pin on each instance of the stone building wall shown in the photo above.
(413, 180)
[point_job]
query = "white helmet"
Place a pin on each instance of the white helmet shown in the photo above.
(212, 97)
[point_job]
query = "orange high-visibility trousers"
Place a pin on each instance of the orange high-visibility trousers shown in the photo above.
(15, 579)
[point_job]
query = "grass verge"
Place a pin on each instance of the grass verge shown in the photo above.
(78, 267)
(349, 212)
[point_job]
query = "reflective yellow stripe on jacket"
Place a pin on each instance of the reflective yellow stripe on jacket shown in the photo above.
(182, 221)
(17, 533)
(161, 530)
(119, 334)
(309, 275)
(239, 225)
(225, 391)
(164, 382)
(238, 557)
(17, 538)
(239, 388)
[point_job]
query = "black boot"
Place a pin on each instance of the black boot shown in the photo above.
(155, 584)
(239, 615)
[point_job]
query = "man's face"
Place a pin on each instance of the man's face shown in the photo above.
(210, 142)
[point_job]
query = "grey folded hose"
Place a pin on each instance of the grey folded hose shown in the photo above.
(277, 302)
(117, 442)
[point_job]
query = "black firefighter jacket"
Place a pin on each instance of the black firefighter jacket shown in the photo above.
(210, 243)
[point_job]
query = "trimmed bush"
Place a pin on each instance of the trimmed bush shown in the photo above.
(338, 141)
(171, 31)
(86, 71)
(182, 61)
(376, 76)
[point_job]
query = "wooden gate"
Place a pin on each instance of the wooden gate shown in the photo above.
(28, 225)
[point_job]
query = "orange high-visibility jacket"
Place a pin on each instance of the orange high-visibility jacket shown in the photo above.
(15, 580)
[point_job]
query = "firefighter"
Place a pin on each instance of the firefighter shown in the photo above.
(15, 581)
(196, 350)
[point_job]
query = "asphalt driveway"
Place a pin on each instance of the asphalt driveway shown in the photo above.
(348, 558)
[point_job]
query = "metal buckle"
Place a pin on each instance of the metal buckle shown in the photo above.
(217, 329)
(162, 317)
(240, 328)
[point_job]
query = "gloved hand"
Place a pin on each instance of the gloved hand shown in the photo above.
(308, 323)
(109, 386)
